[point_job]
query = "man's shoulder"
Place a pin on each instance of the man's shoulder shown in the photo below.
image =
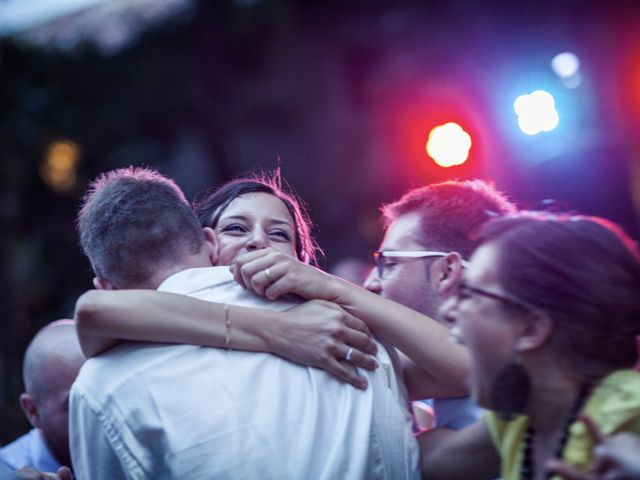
(16, 453)
(125, 354)
(136, 367)
(120, 364)
(193, 279)
(161, 369)
(216, 284)
(28, 450)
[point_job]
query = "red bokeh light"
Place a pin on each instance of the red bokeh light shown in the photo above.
(418, 113)
(633, 86)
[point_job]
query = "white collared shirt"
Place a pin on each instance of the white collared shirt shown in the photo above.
(153, 411)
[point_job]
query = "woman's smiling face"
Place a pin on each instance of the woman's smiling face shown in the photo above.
(254, 221)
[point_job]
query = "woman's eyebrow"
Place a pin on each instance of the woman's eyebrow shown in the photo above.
(235, 217)
(280, 222)
(246, 218)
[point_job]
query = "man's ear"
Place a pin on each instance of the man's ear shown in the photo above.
(447, 272)
(535, 331)
(211, 244)
(30, 409)
(103, 284)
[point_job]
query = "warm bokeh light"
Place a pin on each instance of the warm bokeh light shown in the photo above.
(449, 145)
(536, 112)
(59, 168)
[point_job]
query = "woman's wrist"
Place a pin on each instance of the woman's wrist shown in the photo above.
(271, 330)
(341, 291)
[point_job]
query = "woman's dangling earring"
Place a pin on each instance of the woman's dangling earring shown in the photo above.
(510, 390)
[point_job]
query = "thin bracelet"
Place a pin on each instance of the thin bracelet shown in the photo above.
(227, 321)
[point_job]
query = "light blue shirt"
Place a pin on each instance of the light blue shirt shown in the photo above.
(5, 472)
(455, 413)
(29, 450)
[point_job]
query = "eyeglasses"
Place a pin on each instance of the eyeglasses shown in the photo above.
(465, 291)
(381, 255)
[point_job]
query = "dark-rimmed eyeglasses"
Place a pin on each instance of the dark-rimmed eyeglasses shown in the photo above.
(380, 257)
(465, 291)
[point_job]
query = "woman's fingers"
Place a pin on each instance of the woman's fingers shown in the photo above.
(301, 279)
(344, 371)
(356, 324)
(65, 473)
(271, 273)
(593, 429)
(359, 359)
(617, 456)
(258, 270)
(359, 340)
(30, 473)
(321, 334)
(558, 467)
(247, 264)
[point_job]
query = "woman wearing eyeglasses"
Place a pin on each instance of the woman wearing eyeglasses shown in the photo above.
(549, 309)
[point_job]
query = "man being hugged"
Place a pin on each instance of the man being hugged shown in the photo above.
(178, 411)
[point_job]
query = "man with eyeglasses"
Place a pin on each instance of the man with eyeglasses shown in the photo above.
(429, 233)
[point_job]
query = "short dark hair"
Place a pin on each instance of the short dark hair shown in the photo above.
(133, 220)
(450, 212)
(583, 272)
(210, 207)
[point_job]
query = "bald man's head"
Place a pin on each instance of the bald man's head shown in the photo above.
(51, 364)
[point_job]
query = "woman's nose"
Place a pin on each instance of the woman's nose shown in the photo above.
(257, 240)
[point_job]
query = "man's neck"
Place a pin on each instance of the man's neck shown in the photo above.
(165, 271)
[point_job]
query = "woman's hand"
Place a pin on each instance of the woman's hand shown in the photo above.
(321, 334)
(271, 273)
(30, 473)
(615, 458)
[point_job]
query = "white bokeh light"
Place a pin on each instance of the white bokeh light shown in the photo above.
(566, 64)
(536, 112)
(449, 145)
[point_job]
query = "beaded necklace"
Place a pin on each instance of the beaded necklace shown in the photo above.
(527, 468)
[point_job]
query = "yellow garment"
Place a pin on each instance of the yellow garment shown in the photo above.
(614, 406)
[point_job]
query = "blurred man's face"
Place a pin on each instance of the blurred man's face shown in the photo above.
(53, 406)
(405, 280)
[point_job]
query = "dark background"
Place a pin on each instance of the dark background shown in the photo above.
(341, 94)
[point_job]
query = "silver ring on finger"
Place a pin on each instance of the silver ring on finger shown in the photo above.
(267, 274)
(349, 354)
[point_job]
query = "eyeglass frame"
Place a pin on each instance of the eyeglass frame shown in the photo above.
(463, 286)
(381, 254)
